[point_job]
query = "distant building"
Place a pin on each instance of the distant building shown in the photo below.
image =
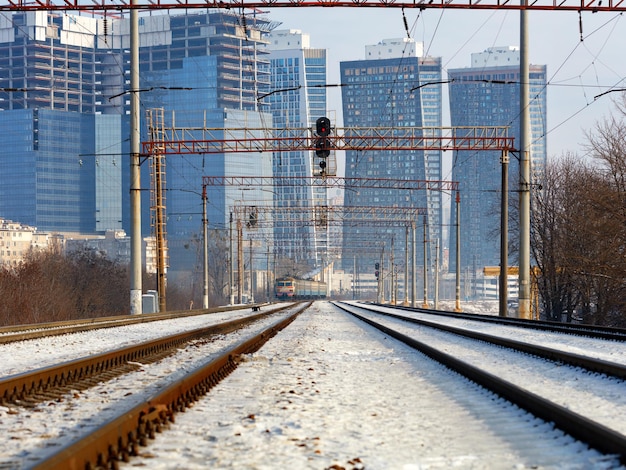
(60, 165)
(298, 75)
(63, 96)
(393, 87)
(207, 69)
(18, 240)
(488, 94)
(114, 245)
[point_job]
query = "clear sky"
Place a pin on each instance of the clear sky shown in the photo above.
(578, 70)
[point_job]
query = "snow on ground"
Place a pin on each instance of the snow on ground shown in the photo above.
(32, 354)
(29, 435)
(330, 391)
(608, 350)
(565, 385)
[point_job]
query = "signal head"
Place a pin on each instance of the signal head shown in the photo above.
(322, 126)
(322, 148)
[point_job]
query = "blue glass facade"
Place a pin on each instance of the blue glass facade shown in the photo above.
(379, 93)
(108, 171)
(298, 75)
(490, 96)
(197, 90)
(48, 170)
(66, 165)
(61, 169)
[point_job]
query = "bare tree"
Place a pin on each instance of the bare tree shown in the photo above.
(550, 229)
(579, 231)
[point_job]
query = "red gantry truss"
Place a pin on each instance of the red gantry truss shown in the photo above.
(329, 182)
(119, 5)
(208, 141)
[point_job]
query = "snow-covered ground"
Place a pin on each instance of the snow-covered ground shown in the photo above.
(330, 392)
(29, 435)
(26, 355)
(562, 384)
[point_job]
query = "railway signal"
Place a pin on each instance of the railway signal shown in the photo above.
(322, 142)
(322, 126)
(377, 270)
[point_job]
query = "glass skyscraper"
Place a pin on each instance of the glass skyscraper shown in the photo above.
(64, 116)
(298, 98)
(206, 70)
(488, 94)
(393, 87)
(61, 162)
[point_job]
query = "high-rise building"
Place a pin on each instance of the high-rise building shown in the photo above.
(206, 70)
(395, 86)
(60, 165)
(65, 104)
(297, 100)
(488, 94)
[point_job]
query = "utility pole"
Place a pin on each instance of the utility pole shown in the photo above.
(392, 293)
(205, 243)
(406, 266)
(457, 305)
(437, 274)
(239, 262)
(251, 287)
(231, 271)
(425, 303)
(504, 237)
(524, 177)
(135, 173)
(414, 267)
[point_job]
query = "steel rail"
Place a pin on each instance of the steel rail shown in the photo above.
(11, 334)
(592, 331)
(120, 438)
(597, 365)
(25, 387)
(594, 434)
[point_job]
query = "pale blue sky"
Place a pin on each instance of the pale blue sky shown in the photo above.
(577, 70)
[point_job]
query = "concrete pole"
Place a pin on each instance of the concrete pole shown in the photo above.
(354, 277)
(267, 275)
(135, 171)
(252, 287)
(457, 305)
(392, 292)
(425, 302)
(406, 266)
(436, 295)
(240, 272)
(205, 242)
(382, 276)
(504, 236)
(524, 179)
(379, 277)
(414, 265)
(231, 271)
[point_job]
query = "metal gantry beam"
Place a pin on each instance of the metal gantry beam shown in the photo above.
(329, 182)
(183, 141)
(120, 5)
(253, 215)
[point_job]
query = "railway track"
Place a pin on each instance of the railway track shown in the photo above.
(592, 331)
(29, 388)
(500, 378)
(11, 334)
(330, 392)
(135, 406)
